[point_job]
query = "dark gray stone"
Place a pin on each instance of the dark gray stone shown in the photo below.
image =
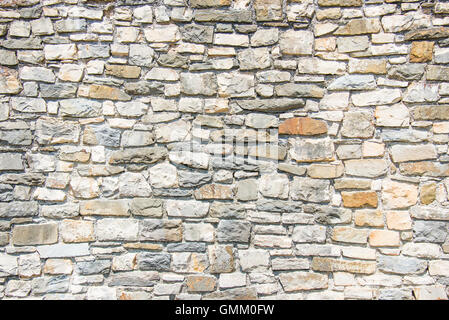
(430, 231)
(58, 284)
(102, 135)
(58, 90)
(270, 105)
(154, 261)
(197, 33)
(233, 231)
(278, 206)
(187, 247)
(407, 72)
(192, 179)
(16, 137)
(331, 215)
(93, 267)
(28, 43)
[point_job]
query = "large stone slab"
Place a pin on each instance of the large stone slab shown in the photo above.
(45, 233)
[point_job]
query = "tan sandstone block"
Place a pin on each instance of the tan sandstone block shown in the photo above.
(109, 93)
(45, 233)
(359, 199)
(325, 171)
(214, 191)
(421, 51)
(369, 218)
(200, 283)
(120, 71)
(58, 266)
(105, 208)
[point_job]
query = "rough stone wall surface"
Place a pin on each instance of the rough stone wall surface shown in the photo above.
(224, 149)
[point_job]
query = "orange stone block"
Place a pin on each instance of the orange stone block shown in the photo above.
(303, 126)
(359, 199)
(105, 92)
(198, 283)
(421, 51)
(384, 238)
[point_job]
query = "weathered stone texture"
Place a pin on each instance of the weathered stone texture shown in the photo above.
(224, 149)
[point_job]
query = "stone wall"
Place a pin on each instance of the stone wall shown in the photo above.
(154, 149)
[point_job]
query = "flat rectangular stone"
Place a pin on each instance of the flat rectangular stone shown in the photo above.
(45, 233)
(187, 208)
(209, 3)
(138, 155)
(402, 153)
(425, 213)
(216, 15)
(431, 112)
(425, 168)
(19, 209)
(108, 93)
(351, 266)
(28, 43)
(105, 208)
(294, 281)
(62, 250)
(359, 26)
(11, 162)
(113, 229)
(160, 230)
(135, 279)
(340, 3)
(270, 105)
